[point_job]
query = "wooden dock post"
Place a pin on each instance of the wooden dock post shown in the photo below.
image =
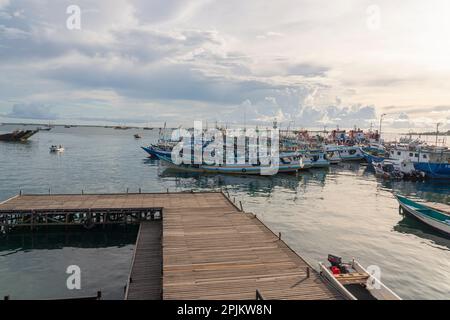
(259, 295)
(307, 272)
(279, 235)
(240, 204)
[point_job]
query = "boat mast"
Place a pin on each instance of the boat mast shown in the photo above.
(437, 132)
(381, 121)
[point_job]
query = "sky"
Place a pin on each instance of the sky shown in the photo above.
(306, 63)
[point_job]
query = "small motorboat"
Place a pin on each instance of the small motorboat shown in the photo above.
(436, 216)
(137, 136)
(387, 170)
(355, 282)
(57, 148)
(397, 170)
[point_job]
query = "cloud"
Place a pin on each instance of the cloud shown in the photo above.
(32, 111)
(288, 60)
(4, 3)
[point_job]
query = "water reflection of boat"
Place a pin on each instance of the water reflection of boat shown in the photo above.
(253, 184)
(409, 225)
(18, 135)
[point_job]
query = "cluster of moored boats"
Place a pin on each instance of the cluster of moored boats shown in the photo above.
(299, 151)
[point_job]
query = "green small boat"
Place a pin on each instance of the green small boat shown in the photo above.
(437, 218)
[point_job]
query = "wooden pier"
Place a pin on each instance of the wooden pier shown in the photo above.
(145, 280)
(34, 211)
(206, 246)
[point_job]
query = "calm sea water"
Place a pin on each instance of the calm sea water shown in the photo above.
(344, 210)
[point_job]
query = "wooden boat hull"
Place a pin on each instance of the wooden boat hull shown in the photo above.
(437, 219)
(244, 169)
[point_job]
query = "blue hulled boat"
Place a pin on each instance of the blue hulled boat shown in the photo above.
(434, 161)
(434, 170)
(154, 151)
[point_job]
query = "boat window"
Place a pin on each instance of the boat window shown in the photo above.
(392, 152)
(416, 155)
(399, 153)
(424, 156)
(411, 154)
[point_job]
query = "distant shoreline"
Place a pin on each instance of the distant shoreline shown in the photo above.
(427, 133)
(70, 125)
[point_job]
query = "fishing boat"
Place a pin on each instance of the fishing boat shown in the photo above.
(137, 136)
(18, 135)
(334, 157)
(374, 155)
(56, 149)
(285, 166)
(397, 170)
(385, 169)
(44, 129)
(437, 217)
(318, 159)
(355, 282)
(346, 153)
(434, 161)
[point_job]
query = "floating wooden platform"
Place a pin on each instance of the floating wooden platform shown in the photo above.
(145, 281)
(209, 248)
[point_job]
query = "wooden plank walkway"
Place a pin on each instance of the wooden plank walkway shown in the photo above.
(217, 252)
(145, 278)
(210, 250)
